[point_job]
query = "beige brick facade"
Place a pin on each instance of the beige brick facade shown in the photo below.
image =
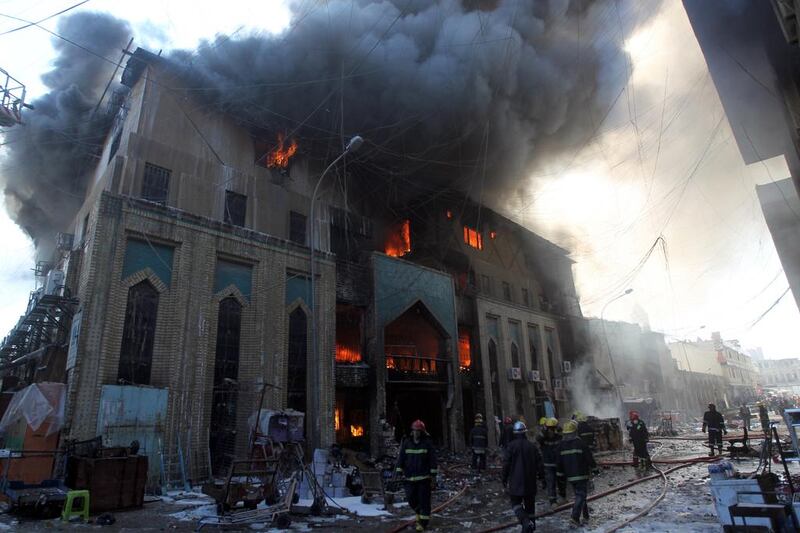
(185, 336)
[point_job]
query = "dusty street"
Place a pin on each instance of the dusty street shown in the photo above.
(687, 505)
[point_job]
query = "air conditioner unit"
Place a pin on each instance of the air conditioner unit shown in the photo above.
(556, 383)
(515, 374)
(568, 382)
(540, 386)
(566, 366)
(560, 394)
(533, 375)
(55, 281)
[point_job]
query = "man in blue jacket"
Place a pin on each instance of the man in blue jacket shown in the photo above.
(417, 462)
(522, 464)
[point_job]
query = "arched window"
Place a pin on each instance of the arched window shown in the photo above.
(520, 392)
(515, 355)
(225, 395)
(495, 378)
(298, 360)
(136, 352)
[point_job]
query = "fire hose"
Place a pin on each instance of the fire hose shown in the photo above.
(434, 510)
(599, 495)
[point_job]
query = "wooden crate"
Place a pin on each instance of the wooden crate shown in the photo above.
(113, 482)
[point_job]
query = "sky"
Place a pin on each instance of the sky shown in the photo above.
(664, 163)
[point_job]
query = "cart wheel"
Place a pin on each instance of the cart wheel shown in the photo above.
(283, 521)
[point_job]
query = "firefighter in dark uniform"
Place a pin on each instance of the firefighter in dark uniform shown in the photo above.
(417, 462)
(522, 464)
(479, 441)
(575, 463)
(763, 417)
(548, 442)
(715, 423)
(585, 431)
(637, 432)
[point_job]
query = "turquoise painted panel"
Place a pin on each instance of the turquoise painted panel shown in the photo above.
(129, 413)
(236, 274)
(398, 284)
(142, 254)
(297, 287)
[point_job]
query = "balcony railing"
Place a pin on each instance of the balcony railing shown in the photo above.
(416, 369)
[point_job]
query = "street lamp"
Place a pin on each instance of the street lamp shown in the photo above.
(608, 347)
(354, 144)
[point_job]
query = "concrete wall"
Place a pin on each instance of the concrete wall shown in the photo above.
(185, 336)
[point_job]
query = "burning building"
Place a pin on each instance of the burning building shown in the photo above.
(191, 273)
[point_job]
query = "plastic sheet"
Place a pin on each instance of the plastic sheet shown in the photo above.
(37, 404)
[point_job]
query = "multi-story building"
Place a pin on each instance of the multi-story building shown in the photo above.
(780, 374)
(724, 362)
(191, 274)
(780, 205)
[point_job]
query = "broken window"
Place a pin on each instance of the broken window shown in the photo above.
(506, 291)
(486, 284)
(348, 334)
(235, 208)
(473, 237)
(297, 227)
(534, 341)
(398, 239)
(155, 183)
(464, 348)
(526, 299)
(550, 339)
(136, 353)
(226, 378)
(494, 376)
(298, 362)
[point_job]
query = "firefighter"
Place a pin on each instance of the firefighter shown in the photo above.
(637, 431)
(585, 431)
(763, 417)
(746, 415)
(479, 441)
(548, 444)
(575, 464)
(715, 423)
(522, 464)
(417, 462)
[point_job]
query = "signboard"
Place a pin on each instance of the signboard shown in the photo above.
(74, 332)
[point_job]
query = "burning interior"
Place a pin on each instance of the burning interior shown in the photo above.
(398, 239)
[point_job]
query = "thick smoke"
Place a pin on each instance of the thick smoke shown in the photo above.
(44, 168)
(455, 92)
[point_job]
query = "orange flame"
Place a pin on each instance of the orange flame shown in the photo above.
(347, 354)
(398, 242)
(464, 353)
(337, 419)
(357, 431)
(280, 156)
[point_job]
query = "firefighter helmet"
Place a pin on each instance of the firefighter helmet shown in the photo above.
(551, 422)
(418, 425)
(520, 427)
(570, 427)
(507, 420)
(633, 415)
(543, 421)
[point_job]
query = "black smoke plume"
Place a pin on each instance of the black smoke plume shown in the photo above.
(448, 92)
(46, 161)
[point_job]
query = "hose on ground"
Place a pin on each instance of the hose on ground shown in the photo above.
(434, 510)
(599, 495)
(646, 509)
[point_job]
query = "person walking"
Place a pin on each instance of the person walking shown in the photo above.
(637, 431)
(746, 415)
(715, 423)
(417, 462)
(548, 442)
(585, 431)
(506, 432)
(763, 417)
(479, 441)
(522, 464)
(575, 463)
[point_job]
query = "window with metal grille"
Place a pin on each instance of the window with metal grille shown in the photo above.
(155, 183)
(235, 208)
(222, 437)
(506, 291)
(136, 353)
(473, 237)
(297, 227)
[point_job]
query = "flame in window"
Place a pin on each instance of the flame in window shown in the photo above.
(464, 353)
(398, 242)
(449, 214)
(357, 431)
(473, 237)
(347, 354)
(280, 156)
(337, 419)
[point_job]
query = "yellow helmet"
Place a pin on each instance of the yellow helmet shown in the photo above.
(543, 421)
(570, 427)
(551, 422)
